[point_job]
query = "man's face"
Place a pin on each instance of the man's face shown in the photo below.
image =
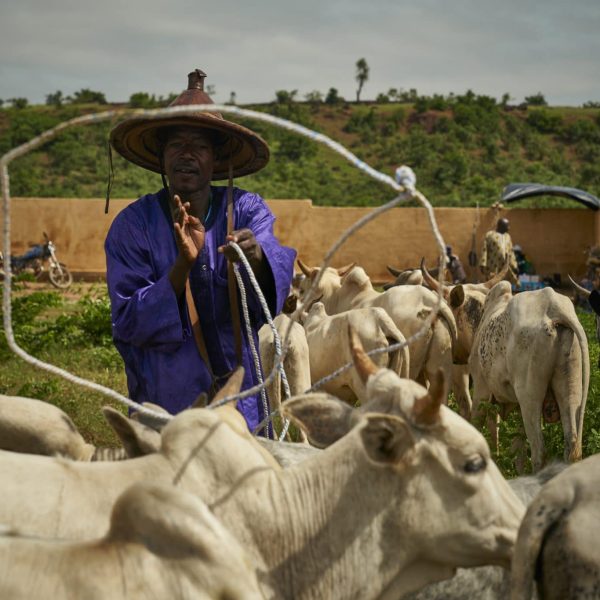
(188, 159)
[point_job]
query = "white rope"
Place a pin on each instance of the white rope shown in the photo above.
(406, 189)
(250, 335)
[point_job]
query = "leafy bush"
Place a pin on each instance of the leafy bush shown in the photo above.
(544, 121)
(536, 100)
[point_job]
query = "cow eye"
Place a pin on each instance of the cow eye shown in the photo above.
(475, 465)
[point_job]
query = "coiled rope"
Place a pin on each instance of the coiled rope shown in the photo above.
(405, 187)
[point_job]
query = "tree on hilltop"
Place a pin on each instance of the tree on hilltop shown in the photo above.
(536, 100)
(87, 96)
(55, 99)
(362, 74)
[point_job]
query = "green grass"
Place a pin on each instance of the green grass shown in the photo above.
(74, 333)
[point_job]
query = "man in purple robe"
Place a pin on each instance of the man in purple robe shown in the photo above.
(177, 238)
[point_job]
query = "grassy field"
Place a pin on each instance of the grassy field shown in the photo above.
(72, 330)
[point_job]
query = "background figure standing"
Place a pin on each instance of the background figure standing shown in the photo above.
(453, 264)
(497, 249)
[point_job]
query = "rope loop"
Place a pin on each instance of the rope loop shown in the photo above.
(404, 185)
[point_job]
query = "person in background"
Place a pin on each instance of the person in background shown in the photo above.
(497, 250)
(453, 264)
(175, 306)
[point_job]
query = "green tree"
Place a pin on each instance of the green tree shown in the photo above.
(314, 97)
(87, 96)
(536, 100)
(55, 99)
(143, 100)
(333, 97)
(285, 97)
(18, 103)
(505, 100)
(362, 74)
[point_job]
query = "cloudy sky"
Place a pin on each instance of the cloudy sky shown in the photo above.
(254, 48)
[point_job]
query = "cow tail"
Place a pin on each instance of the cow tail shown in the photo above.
(575, 326)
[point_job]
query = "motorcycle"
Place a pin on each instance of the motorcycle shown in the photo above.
(37, 260)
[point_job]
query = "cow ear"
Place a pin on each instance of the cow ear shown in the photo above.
(137, 439)
(386, 438)
(457, 296)
(323, 418)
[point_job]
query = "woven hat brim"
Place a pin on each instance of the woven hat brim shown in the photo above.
(136, 139)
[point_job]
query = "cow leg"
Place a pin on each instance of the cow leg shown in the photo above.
(518, 448)
(530, 401)
(460, 387)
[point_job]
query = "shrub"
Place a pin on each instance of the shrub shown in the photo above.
(544, 121)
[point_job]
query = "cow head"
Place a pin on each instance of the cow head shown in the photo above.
(441, 464)
(466, 302)
(327, 290)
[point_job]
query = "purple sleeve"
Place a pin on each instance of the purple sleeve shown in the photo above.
(145, 310)
(259, 218)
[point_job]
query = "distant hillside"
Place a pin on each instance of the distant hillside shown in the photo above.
(464, 152)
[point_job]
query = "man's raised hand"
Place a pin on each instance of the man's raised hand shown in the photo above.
(189, 231)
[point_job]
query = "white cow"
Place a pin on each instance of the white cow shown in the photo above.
(467, 313)
(488, 583)
(407, 305)
(329, 347)
(37, 427)
(296, 362)
(202, 450)
(530, 349)
(162, 543)
(406, 494)
(558, 538)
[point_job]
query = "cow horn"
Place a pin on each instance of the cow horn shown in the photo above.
(429, 279)
(233, 386)
(426, 410)
(498, 277)
(393, 271)
(308, 271)
(346, 269)
(362, 362)
(580, 288)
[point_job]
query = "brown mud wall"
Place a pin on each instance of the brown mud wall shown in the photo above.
(555, 240)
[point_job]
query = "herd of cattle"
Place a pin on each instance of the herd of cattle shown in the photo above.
(393, 494)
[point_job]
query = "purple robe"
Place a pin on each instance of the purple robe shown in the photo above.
(151, 326)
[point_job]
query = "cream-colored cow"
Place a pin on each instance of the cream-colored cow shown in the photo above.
(329, 347)
(408, 306)
(162, 543)
(405, 495)
(49, 496)
(528, 350)
(37, 427)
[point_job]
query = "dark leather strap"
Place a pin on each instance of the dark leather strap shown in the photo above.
(199, 337)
